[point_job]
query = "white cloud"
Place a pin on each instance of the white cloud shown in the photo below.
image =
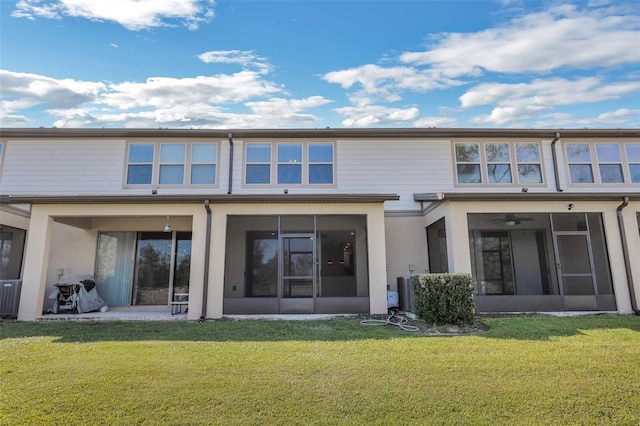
(370, 115)
(278, 107)
(134, 15)
(436, 122)
(559, 37)
(523, 101)
(245, 58)
(198, 102)
(620, 118)
(387, 83)
(161, 92)
(24, 90)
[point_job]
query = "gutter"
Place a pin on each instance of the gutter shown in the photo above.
(230, 137)
(625, 255)
(554, 155)
(207, 253)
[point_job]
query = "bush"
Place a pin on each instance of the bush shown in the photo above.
(444, 298)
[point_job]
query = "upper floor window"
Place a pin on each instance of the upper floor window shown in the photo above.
(171, 163)
(172, 158)
(498, 163)
(204, 158)
(289, 163)
(633, 157)
(258, 163)
(603, 162)
(140, 163)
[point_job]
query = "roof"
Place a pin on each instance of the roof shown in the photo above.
(42, 132)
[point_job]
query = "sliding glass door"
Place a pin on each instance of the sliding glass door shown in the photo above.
(142, 268)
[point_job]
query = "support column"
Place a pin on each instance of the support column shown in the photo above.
(377, 261)
(458, 239)
(35, 264)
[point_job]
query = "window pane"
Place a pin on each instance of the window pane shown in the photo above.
(172, 153)
(581, 173)
(203, 174)
(289, 173)
(634, 169)
(259, 153)
(321, 153)
(578, 153)
(258, 173)
(11, 251)
(320, 173)
(499, 173)
(141, 153)
(139, 175)
(633, 152)
(497, 152)
(529, 173)
(289, 153)
(467, 153)
(608, 153)
(611, 173)
(527, 152)
(469, 173)
(171, 174)
(203, 153)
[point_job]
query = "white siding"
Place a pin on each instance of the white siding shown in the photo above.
(55, 167)
(363, 166)
(403, 167)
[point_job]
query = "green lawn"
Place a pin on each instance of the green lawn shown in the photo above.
(524, 370)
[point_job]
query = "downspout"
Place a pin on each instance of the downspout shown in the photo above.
(555, 161)
(625, 254)
(230, 137)
(207, 253)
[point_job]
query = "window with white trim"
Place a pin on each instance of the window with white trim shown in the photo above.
(498, 163)
(204, 158)
(140, 163)
(171, 163)
(258, 170)
(603, 162)
(172, 158)
(632, 151)
(289, 163)
(321, 163)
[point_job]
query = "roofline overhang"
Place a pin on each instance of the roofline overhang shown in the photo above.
(333, 133)
(524, 196)
(213, 199)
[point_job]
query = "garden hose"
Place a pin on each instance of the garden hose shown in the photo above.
(393, 319)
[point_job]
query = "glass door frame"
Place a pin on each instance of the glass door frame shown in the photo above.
(575, 302)
(299, 304)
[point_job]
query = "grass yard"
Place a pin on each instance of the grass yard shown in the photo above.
(524, 370)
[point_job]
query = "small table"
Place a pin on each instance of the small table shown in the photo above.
(179, 301)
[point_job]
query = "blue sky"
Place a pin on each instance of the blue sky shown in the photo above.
(315, 64)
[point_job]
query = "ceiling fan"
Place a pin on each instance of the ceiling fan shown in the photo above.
(511, 220)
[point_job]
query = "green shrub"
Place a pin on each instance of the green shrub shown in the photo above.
(444, 298)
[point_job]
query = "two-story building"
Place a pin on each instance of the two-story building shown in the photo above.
(254, 221)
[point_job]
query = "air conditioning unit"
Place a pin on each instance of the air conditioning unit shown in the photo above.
(10, 297)
(406, 294)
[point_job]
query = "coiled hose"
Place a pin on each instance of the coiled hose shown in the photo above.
(393, 319)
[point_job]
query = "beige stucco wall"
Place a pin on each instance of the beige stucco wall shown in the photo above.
(406, 246)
